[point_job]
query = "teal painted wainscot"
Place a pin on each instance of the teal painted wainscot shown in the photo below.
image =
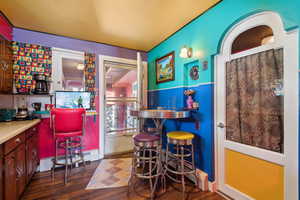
(205, 34)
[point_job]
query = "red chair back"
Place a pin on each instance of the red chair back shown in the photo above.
(66, 120)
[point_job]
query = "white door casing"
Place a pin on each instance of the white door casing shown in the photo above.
(102, 60)
(57, 72)
(289, 159)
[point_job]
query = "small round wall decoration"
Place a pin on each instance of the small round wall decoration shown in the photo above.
(194, 72)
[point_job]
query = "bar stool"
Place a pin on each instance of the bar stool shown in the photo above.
(179, 150)
(68, 126)
(146, 160)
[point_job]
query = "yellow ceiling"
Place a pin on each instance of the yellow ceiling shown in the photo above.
(135, 24)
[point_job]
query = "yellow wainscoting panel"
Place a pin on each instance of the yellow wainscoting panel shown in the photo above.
(259, 179)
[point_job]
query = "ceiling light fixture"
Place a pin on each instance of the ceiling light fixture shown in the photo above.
(80, 66)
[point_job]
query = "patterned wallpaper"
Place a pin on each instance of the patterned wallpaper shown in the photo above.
(30, 59)
(90, 76)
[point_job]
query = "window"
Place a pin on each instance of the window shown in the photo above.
(254, 37)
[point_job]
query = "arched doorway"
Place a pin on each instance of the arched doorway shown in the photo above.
(256, 115)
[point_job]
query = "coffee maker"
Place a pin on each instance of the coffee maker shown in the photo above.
(41, 84)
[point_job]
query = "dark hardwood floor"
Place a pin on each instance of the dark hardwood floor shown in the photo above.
(43, 187)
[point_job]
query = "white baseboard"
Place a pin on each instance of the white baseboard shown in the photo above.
(212, 186)
(46, 163)
(203, 180)
(223, 195)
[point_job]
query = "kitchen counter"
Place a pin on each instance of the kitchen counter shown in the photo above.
(9, 130)
(46, 114)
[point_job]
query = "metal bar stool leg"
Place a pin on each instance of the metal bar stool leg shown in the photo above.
(66, 160)
(177, 164)
(150, 174)
(144, 161)
(81, 152)
(159, 171)
(182, 171)
(71, 157)
(54, 160)
(194, 167)
(164, 173)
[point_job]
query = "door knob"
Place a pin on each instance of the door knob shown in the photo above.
(221, 125)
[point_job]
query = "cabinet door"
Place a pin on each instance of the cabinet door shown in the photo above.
(10, 177)
(35, 153)
(7, 79)
(20, 169)
(32, 159)
(2, 72)
(6, 65)
(29, 159)
(1, 173)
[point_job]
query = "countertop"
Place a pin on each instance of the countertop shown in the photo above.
(9, 130)
(47, 113)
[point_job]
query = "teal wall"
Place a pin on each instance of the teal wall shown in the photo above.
(206, 32)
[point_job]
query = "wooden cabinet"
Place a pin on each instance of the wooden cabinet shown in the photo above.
(32, 158)
(6, 67)
(20, 169)
(20, 160)
(15, 173)
(10, 176)
(1, 172)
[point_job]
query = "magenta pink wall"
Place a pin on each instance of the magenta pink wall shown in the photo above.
(46, 140)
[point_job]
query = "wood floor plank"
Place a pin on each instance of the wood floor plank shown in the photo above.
(42, 187)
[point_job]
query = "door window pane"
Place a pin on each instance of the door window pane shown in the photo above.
(254, 100)
(121, 82)
(118, 118)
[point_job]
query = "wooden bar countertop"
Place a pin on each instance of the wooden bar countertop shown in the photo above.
(9, 130)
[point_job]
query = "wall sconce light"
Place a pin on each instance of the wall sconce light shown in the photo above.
(198, 54)
(186, 52)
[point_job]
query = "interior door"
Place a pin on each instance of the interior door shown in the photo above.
(121, 92)
(142, 87)
(251, 125)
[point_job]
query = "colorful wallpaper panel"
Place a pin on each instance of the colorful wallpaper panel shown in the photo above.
(30, 59)
(90, 76)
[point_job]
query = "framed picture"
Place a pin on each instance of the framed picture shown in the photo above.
(165, 70)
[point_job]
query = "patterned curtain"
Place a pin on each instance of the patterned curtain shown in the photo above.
(90, 76)
(254, 101)
(30, 59)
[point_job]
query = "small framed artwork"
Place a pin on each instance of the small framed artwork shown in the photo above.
(165, 70)
(194, 72)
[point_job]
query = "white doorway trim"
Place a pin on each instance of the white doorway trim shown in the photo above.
(57, 72)
(289, 42)
(102, 59)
